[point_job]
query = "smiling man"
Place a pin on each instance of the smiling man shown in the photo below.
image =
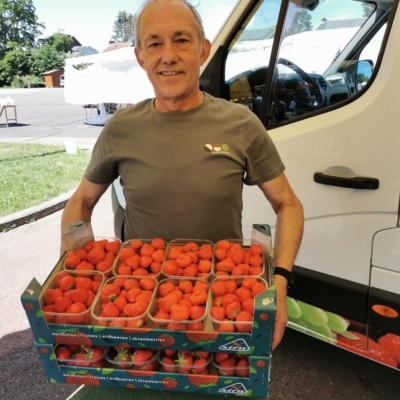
(184, 156)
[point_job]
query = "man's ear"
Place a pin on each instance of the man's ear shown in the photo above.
(139, 58)
(205, 51)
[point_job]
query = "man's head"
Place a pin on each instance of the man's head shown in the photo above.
(170, 48)
(146, 3)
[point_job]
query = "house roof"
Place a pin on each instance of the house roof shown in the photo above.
(53, 70)
(116, 46)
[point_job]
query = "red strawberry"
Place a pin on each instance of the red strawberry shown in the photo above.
(199, 366)
(264, 317)
(260, 363)
(63, 353)
(205, 381)
(123, 358)
(391, 343)
(140, 356)
(185, 363)
(169, 353)
(169, 383)
(43, 350)
(227, 367)
(202, 354)
(242, 368)
(202, 338)
(29, 306)
(165, 340)
(169, 364)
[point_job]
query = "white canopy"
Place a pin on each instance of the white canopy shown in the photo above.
(112, 77)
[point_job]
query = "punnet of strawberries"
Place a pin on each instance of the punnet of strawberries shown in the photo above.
(193, 259)
(141, 257)
(69, 296)
(231, 364)
(124, 302)
(140, 359)
(94, 255)
(81, 356)
(185, 361)
(235, 258)
(181, 304)
(232, 307)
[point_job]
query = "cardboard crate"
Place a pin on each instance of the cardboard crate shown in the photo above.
(256, 344)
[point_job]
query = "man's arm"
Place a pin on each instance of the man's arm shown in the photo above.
(81, 204)
(288, 234)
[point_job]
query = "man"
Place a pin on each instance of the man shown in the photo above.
(175, 182)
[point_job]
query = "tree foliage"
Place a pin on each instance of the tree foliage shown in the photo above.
(124, 27)
(14, 63)
(60, 41)
(45, 58)
(301, 22)
(19, 26)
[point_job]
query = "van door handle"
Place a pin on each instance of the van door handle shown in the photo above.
(358, 182)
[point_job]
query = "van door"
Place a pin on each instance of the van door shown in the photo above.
(333, 117)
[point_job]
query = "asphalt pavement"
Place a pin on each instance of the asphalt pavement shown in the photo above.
(302, 367)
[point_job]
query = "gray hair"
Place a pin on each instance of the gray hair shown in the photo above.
(146, 3)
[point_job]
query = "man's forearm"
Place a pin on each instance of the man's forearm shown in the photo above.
(288, 234)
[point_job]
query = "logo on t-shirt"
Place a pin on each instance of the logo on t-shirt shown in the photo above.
(217, 148)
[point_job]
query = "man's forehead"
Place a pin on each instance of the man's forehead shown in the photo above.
(180, 32)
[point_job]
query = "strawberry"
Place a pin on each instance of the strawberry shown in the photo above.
(165, 340)
(63, 353)
(185, 363)
(203, 381)
(242, 368)
(169, 364)
(391, 343)
(227, 367)
(169, 383)
(140, 356)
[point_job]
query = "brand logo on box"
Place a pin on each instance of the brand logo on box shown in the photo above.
(234, 388)
(236, 345)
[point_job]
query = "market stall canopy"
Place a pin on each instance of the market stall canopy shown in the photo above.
(111, 77)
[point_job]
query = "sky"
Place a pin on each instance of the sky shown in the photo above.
(91, 21)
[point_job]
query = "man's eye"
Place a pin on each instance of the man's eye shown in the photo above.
(182, 41)
(152, 45)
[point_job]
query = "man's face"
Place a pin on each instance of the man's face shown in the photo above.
(171, 52)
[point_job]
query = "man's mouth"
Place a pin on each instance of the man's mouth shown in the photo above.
(170, 73)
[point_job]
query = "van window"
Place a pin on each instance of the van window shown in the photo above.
(317, 63)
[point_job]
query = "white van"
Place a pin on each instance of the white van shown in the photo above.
(323, 77)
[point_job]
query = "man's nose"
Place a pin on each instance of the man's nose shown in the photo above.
(169, 52)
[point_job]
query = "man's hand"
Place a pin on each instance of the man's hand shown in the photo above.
(281, 313)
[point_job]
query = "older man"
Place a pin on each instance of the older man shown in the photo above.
(177, 182)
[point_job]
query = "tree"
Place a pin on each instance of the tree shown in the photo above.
(14, 63)
(301, 22)
(19, 26)
(124, 27)
(45, 58)
(60, 41)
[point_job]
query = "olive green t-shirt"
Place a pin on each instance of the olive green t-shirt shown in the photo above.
(182, 173)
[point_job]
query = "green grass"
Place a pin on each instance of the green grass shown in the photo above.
(33, 173)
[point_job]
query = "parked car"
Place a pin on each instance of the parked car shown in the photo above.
(329, 99)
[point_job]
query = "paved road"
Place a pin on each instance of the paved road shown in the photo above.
(302, 367)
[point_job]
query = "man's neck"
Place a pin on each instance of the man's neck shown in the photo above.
(176, 105)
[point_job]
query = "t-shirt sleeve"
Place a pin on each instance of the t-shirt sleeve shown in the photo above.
(102, 168)
(263, 162)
